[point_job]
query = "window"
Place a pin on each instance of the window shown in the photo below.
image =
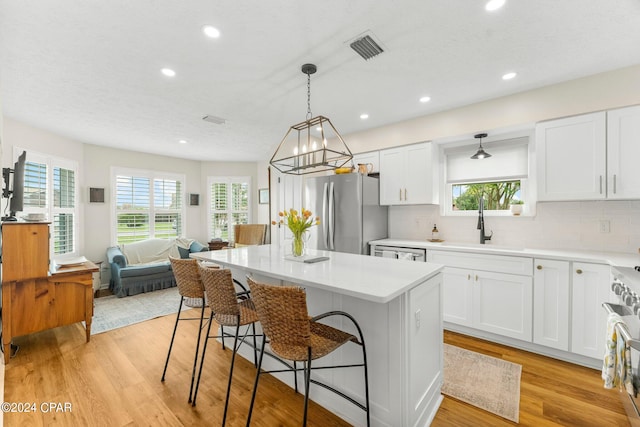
(148, 204)
(50, 187)
(229, 201)
(501, 179)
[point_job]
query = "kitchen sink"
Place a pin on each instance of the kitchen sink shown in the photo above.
(487, 246)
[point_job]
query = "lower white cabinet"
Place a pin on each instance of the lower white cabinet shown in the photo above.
(491, 301)
(590, 288)
(551, 303)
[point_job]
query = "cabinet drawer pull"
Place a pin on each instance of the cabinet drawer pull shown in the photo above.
(476, 277)
(405, 194)
(401, 194)
(468, 276)
(539, 267)
(579, 271)
(614, 183)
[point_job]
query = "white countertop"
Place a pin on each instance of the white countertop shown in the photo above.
(615, 259)
(373, 279)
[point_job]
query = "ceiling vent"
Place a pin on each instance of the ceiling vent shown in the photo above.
(214, 119)
(366, 47)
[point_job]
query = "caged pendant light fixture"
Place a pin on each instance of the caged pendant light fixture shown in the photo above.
(313, 145)
(481, 154)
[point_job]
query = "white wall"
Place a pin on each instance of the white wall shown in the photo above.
(566, 225)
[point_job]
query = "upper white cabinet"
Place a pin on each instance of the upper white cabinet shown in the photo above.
(623, 152)
(589, 157)
(372, 158)
(406, 175)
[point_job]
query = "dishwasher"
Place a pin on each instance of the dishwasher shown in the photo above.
(395, 252)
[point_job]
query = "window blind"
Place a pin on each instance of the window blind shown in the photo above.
(509, 161)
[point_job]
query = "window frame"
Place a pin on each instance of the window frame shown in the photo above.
(528, 191)
(51, 163)
(229, 211)
(152, 211)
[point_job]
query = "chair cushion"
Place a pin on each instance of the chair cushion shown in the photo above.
(143, 270)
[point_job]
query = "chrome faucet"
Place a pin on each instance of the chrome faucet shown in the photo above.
(483, 237)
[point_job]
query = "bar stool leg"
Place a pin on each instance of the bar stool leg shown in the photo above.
(233, 359)
(307, 383)
(195, 358)
(204, 350)
(175, 327)
(255, 384)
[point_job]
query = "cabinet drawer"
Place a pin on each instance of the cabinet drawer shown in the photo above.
(495, 263)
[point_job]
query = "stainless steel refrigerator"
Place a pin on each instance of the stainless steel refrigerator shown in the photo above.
(350, 213)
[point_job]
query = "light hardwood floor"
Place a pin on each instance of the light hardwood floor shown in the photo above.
(115, 381)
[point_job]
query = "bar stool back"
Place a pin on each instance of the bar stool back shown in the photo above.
(294, 336)
(189, 286)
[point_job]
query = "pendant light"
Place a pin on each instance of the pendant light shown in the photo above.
(313, 145)
(481, 154)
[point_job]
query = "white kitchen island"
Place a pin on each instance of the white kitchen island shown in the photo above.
(398, 305)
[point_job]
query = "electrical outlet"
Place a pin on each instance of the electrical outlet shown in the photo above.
(605, 226)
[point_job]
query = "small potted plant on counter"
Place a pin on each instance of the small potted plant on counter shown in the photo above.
(516, 207)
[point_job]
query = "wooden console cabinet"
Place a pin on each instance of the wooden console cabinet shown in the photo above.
(34, 299)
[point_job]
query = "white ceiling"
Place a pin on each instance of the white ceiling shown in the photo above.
(90, 70)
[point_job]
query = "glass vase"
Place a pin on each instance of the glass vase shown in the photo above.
(298, 245)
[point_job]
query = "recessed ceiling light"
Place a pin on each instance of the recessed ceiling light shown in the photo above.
(364, 116)
(168, 72)
(425, 99)
(494, 5)
(509, 76)
(182, 141)
(210, 31)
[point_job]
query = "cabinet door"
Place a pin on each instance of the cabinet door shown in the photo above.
(551, 303)
(372, 158)
(502, 304)
(571, 154)
(590, 288)
(457, 297)
(392, 172)
(25, 252)
(418, 185)
(623, 152)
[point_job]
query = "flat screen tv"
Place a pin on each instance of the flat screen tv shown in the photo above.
(14, 189)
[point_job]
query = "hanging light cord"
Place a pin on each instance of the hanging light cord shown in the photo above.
(309, 115)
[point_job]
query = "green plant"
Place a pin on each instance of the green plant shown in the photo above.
(517, 202)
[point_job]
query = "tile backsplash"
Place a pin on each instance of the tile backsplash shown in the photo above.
(557, 225)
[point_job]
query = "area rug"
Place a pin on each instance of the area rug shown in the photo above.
(112, 312)
(485, 382)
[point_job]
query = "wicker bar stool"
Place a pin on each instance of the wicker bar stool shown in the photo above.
(295, 336)
(228, 308)
(189, 286)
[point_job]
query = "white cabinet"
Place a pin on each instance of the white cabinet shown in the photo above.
(372, 158)
(495, 301)
(623, 152)
(457, 303)
(551, 303)
(590, 288)
(406, 175)
(571, 155)
(590, 156)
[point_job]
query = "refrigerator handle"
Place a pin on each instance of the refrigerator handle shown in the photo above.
(331, 245)
(325, 214)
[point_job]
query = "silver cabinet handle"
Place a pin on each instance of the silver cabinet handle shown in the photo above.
(401, 194)
(476, 277)
(614, 183)
(468, 276)
(539, 267)
(579, 271)
(405, 194)
(600, 184)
